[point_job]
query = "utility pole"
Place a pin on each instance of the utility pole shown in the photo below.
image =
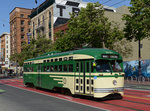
(139, 44)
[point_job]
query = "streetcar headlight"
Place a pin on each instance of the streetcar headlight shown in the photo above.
(114, 82)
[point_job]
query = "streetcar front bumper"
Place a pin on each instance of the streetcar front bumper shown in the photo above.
(102, 92)
(108, 90)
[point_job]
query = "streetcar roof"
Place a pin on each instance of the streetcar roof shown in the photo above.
(94, 52)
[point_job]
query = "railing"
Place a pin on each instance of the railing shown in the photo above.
(14, 75)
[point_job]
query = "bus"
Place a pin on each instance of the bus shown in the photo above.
(92, 72)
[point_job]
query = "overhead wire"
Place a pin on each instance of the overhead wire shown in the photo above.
(106, 2)
(118, 3)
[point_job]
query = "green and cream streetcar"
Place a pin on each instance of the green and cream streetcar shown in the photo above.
(90, 71)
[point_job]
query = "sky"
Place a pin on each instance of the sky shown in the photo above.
(6, 6)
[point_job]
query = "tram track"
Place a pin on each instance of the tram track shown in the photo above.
(130, 102)
(127, 108)
(134, 94)
(136, 102)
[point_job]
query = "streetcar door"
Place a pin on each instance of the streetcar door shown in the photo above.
(39, 70)
(88, 78)
(80, 77)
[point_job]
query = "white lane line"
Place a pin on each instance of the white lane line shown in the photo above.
(65, 97)
(59, 98)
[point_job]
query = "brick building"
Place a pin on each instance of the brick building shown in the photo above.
(62, 28)
(19, 28)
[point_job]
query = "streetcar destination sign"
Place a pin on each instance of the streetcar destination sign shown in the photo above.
(113, 56)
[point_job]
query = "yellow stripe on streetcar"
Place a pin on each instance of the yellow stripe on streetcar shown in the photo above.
(137, 97)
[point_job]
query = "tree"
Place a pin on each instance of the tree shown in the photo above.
(34, 49)
(41, 46)
(138, 22)
(90, 28)
(137, 26)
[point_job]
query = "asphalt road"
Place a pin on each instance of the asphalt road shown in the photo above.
(14, 99)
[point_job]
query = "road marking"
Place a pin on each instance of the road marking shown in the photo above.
(58, 97)
(137, 97)
(69, 98)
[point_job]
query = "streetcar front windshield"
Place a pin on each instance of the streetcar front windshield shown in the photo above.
(103, 66)
(116, 66)
(108, 66)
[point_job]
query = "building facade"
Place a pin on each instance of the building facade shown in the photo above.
(19, 28)
(46, 18)
(5, 49)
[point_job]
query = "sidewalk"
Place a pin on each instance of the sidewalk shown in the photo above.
(137, 85)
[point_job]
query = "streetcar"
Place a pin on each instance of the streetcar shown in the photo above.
(92, 72)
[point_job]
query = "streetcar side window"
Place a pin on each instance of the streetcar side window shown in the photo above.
(48, 68)
(65, 68)
(56, 60)
(51, 68)
(51, 60)
(65, 58)
(32, 69)
(87, 66)
(55, 68)
(60, 68)
(77, 67)
(44, 68)
(60, 59)
(70, 67)
(71, 58)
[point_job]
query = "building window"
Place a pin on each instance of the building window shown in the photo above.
(29, 23)
(21, 15)
(22, 22)
(22, 43)
(22, 36)
(22, 29)
(29, 30)
(43, 19)
(38, 21)
(33, 26)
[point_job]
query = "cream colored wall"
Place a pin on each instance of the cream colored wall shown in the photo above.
(44, 13)
(117, 17)
(145, 50)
